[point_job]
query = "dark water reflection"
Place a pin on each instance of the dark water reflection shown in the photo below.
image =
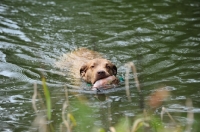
(161, 37)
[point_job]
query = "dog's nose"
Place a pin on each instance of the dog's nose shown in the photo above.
(101, 72)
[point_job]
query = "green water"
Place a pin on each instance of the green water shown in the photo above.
(161, 37)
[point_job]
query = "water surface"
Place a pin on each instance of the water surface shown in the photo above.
(161, 37)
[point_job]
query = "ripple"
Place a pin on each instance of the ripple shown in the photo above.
(84, 13)
(142, 39)
(7, 73)
(181, 23)
(27, 57)
(162, 16)
(14, 71)
(169, 39)
(16, 98)
(11, 28)
(2, 57)
(58, 18)
(192, 81)
(180, 108)
(196, 25)
(190, 19)
(171, 32)
(15, 33)
(159, 66)
(164, 26)
(144, 30)
(149, 58)
(160, 4)
(126, 33)
(193, 39)
(66, 31)
(9, 24)
(3, 8)
(120, 43)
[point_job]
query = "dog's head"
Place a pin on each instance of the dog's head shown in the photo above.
(97, 69)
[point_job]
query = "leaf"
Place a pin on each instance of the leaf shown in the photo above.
(47, 97)
(71, 117)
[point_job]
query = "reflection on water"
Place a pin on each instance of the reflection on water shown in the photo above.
(162, 38)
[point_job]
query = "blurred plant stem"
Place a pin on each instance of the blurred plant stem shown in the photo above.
(47, 97)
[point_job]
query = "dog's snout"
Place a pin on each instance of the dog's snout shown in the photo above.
(101, 72)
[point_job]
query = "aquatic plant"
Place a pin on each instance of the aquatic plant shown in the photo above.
(146, 121)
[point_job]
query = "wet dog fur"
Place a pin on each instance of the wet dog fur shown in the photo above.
(86, 64)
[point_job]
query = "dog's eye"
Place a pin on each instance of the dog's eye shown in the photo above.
(92, 66)
(107, 66)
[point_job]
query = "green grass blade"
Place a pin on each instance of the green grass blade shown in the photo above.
(47, 97)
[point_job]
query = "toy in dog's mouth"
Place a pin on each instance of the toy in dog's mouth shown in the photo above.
(105, 82)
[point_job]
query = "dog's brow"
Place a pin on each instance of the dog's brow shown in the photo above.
(93, 64)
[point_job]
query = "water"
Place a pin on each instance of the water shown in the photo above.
(161, 37)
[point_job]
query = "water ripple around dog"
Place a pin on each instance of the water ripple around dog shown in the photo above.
(161, 38)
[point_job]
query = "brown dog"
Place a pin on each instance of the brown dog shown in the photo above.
(87, 64)
(97, 69)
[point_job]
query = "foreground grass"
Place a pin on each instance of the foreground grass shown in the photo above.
(146, 121)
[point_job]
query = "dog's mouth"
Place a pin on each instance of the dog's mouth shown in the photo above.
(99, 77)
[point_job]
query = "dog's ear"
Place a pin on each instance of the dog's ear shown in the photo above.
(83, 70)
(114, 69)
